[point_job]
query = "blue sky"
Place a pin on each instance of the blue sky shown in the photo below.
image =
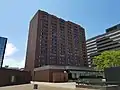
(94, 15)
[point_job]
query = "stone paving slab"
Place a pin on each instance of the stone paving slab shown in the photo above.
(44, 86)
(30, 87)
(70, 85)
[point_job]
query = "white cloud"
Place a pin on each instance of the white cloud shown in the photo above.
(10, 59)
(11, 62)
(10, 49)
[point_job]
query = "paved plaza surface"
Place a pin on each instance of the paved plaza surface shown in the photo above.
(43, 86)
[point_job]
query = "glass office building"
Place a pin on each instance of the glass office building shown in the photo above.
(3, 42)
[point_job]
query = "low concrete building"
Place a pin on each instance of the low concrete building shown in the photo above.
(13, 77)
(52, 73)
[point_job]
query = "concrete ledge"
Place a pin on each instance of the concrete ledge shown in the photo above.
(63, 68)
(96, 87)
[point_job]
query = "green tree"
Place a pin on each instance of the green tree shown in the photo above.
(107, 59)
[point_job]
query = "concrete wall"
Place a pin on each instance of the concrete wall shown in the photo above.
(60, 77)
(31, 45)
(112, 74)
(20, 77)
(93, 87)
(50, 75)
(42, 76)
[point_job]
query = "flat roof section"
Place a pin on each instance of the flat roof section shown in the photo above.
(62, 68)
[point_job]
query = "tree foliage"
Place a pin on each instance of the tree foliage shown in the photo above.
(107, 59)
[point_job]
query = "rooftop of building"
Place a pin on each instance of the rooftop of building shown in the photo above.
(63, 68)
(113, 28)
(3, 37)
(108, 30)
(95, 37)
(58, 17)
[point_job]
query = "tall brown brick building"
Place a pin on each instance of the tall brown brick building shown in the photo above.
(54, 41)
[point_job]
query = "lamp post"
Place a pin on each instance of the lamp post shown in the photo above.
(64, 75)
(65, 71)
